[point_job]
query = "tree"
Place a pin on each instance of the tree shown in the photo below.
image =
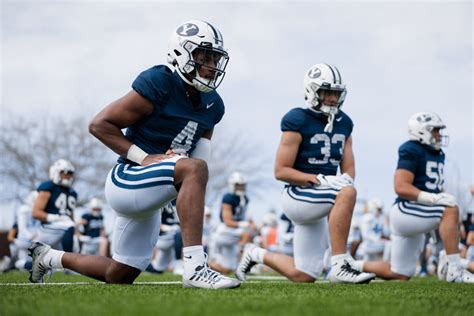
(29, 146)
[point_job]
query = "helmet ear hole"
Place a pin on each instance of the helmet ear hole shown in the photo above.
(177, 52)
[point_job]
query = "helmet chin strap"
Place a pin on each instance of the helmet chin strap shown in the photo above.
(329, 126)
(331, 112)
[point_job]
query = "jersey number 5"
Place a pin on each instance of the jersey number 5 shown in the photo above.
(434, 171)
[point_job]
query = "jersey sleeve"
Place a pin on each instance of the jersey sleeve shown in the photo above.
(45, 186)
(228, 199)
(407, 158)
(152, 85)
(292, 121)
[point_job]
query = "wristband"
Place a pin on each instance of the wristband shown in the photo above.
(426, 198)
(136, 154)
(52, 218)
(243, 224)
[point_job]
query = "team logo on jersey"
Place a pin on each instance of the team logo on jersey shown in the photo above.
(314, 73)
(188, 29)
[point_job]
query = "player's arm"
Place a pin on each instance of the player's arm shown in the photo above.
(107, 125)
(11, 234)
(285, 160)
(39, 207)
(23, 218)
(227, 216)
(348, 161)
(203, 146)
(403, 184)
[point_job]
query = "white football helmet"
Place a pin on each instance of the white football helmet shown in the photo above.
(375, 205)
(236, 178)
(324, 77)
(95, 203)
(194, 37)
(420, 127)
(65, 166)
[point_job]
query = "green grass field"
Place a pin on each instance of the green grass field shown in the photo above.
(163, 295)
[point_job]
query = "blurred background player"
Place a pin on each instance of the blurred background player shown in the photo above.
(375, 246)
(92, 232)
(315, 143)
(168, 249)
(421, 205)
(234, 230)
(285, 236)
(54, 207)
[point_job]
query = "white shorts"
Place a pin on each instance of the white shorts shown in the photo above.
(410, 218)
(226, 246)
(52, 233)
(409, 222)
(308, 208)
(310, 242)
(307, 204)
(137, 193)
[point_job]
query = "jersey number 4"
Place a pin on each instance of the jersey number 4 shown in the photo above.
(184, 139)
(337, 140)
(65, 204)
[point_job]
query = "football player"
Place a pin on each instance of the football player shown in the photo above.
(421, 205)
(93, 238)
(170, 117)
(168, 249)
(27, 231)
(54, 207)
(234, 230)
(316, 141)
(374, 244)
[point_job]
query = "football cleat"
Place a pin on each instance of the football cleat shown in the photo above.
(246, 263)
(345, 273)
(206, 278)
(459, 275)
(37, 252)
(442, 268)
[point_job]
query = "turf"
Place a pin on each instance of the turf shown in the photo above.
(420, 296)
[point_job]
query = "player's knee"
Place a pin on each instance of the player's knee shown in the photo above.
(300, 277)
(349, 192)
(118, 273)
(197, 167)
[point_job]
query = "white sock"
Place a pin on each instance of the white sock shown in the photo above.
(52, 259)
(257, 254)
(193, 256)
(358, 265)
(338, 259)
(454, 259)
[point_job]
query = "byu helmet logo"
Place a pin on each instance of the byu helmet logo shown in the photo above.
(188, 29)
(314, 73)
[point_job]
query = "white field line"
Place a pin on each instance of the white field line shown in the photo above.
(253, 280)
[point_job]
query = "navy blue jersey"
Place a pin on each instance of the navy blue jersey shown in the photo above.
(239, 205)
(94, 224)
(175, 122)
(425, 163)
(319, 152)
(62, 200)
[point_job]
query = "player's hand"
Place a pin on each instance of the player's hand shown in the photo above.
(151, 159)
(444, 199)
(335, 182)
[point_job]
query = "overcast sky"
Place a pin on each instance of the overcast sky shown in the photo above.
(397, 58)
